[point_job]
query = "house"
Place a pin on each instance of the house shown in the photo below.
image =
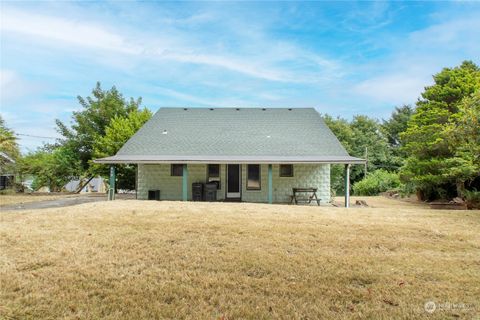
(7, 177)
(96, 184)
(252, 154)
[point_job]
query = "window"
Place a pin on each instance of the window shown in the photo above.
(253, 177)
(213, 174)
(214, 170)
(286, 170)
(176, 170)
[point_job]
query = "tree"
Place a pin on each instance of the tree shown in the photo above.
(355, 136)
(342, 130)
(9, 150)
(463, 138)
(8, 144)
(51, 168)
(120, 129)
(91, 122)
(428, 168)
(368, 133)
(396, 125)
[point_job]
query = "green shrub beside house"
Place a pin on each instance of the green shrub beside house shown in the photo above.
(377, 182)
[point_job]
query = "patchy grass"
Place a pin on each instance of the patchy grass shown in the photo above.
(384, 202)
(20, 198)
(132, 259)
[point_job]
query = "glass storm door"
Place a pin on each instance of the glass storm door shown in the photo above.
(233, 181)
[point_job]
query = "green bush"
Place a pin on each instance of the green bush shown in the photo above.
(376, 182)
(472, 197)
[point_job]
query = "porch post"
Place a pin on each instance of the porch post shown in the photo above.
(111, 188)
(347, 185)
(270, 184)
(185, 182)
(136, 182)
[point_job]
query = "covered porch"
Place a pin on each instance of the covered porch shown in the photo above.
(262, 182)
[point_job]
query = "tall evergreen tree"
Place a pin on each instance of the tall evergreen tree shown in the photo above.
(427, 138)
(397, 124)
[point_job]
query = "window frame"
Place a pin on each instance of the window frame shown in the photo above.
(172, 170)
(259, 178)
(217, 177)
(280, 171)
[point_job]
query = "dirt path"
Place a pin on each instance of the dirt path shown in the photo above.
(56, 203)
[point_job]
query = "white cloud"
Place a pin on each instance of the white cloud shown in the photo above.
(451, 35)
(265, 60)
(401, 88)
(184, 97)
(230, 64)
(401, 77)
(13, 86)
(59, 29)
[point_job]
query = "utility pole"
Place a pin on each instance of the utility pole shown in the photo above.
(366, 161)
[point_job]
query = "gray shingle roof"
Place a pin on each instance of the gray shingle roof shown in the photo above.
(233, 135)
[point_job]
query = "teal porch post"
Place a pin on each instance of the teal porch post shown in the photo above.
(347, 185)
(185, 182)
(111, 189)
(270, 184)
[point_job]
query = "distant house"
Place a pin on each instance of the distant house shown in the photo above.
(94, 185)
(252, 154)
(7, 177)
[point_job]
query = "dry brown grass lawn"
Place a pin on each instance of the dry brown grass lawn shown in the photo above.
(140, 260)
(20, 198)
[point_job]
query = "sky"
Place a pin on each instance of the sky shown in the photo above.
(342, 58)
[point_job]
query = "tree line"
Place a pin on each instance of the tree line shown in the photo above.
(431, 148)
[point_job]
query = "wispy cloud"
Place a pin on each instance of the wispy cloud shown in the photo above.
(402, 76)
(74, 32)
(13, 86)
(61, 32)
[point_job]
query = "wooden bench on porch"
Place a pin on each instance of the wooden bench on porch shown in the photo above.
(304, 195)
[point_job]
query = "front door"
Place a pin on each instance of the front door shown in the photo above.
(233, 181)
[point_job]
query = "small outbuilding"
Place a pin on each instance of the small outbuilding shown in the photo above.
(251, 154)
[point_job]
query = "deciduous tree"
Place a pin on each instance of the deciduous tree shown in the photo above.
(90, 123)
(120, 129)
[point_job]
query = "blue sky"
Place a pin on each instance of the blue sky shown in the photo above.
(343, 58)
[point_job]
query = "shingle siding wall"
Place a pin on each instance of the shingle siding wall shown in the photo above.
(304, 176)
(255, 195)
(157, 176)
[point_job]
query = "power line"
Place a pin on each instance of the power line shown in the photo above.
(33, 136)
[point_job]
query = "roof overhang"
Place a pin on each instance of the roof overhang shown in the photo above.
(147, 159)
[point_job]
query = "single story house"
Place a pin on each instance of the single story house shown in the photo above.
(252, 154)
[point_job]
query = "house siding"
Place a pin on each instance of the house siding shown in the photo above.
(157, 176)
